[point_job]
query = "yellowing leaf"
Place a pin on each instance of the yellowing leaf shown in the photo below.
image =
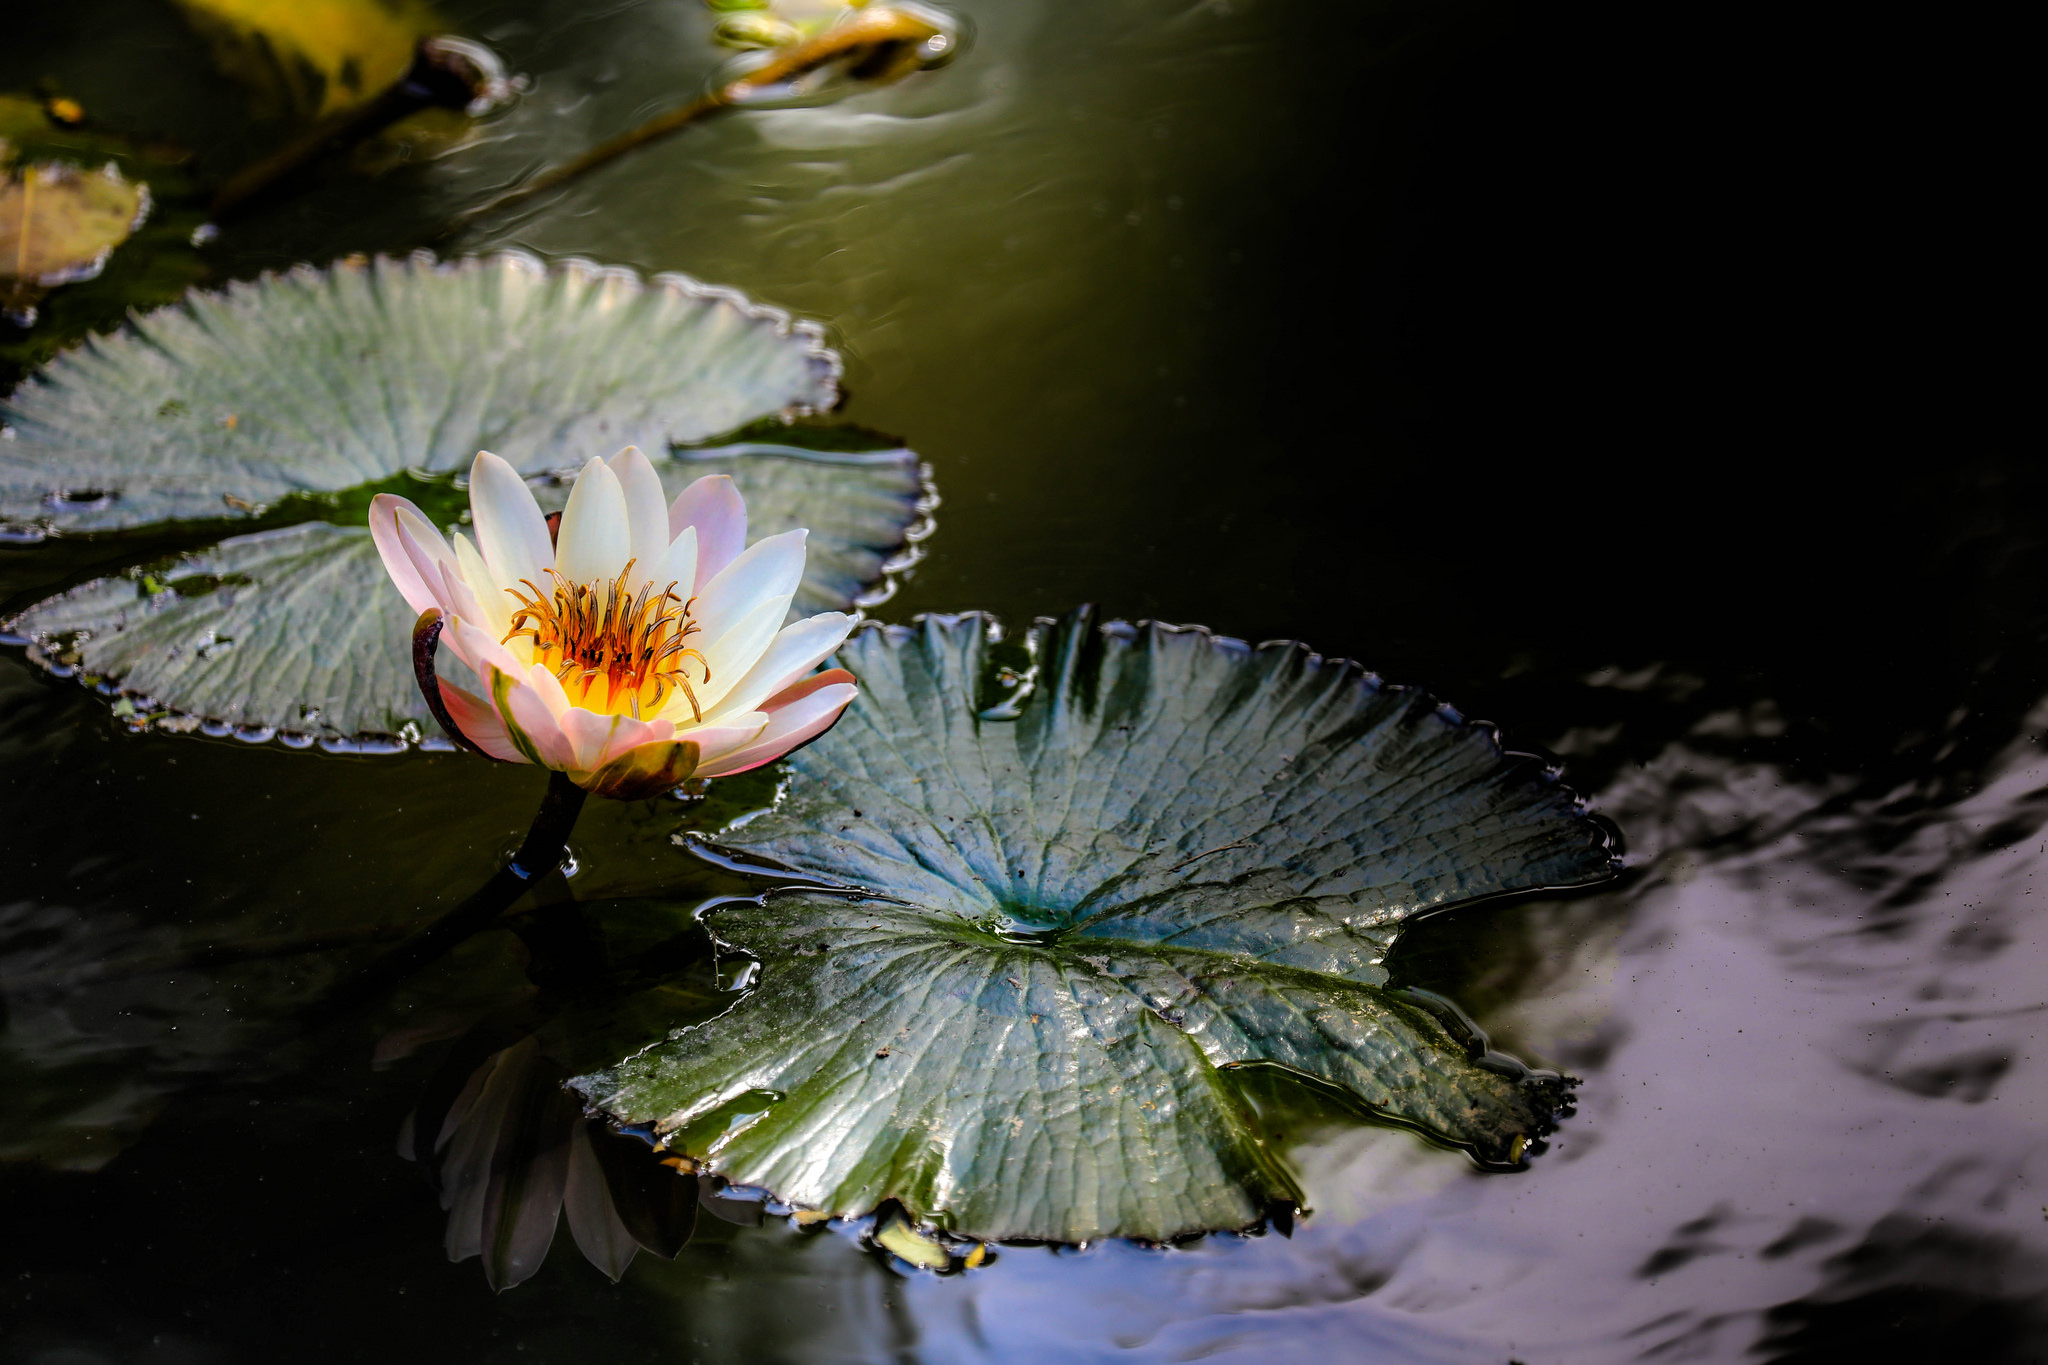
(315, 56)
(58, 223)
(918, 1248)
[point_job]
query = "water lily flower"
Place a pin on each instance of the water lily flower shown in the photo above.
(639, 644)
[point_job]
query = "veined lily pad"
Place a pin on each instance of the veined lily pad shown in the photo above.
(317, 381)
(1083, 879)
(299, 630)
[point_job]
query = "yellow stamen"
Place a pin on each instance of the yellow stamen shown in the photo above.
(633, 642)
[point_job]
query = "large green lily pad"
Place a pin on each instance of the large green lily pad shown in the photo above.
(298, 630)
(316, 381)
(1080, 880)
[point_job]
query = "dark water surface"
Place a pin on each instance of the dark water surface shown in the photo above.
(1449, 338)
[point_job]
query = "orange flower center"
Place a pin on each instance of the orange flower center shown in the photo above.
(611, 648)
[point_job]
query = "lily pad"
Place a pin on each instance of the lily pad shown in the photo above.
(316, 381)
(1079, 881)
(298, 631)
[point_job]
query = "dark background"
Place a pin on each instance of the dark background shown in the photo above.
(1511, 344)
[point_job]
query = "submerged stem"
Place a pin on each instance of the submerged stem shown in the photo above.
(541, 853)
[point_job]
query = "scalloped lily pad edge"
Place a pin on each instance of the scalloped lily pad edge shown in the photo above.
(814, 334)
(705, 846)
(142, 714)
(889, 1229)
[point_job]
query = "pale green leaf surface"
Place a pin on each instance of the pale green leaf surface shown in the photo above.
(316, 381)
(1166, 785)
(1070, 914)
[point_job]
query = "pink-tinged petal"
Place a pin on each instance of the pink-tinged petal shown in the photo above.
(797, 649)
(595, 540)
(679, 565)
(732, 656)
(510, 530)
(443, 575)
(646, 511)
(797, 716)
(481, 651)
(549, 689)
(531, 727)
(714, 506)
(733, 732)
(391, 548)
(597, 739)
(769, 569)
(431, 558)
(479, 723)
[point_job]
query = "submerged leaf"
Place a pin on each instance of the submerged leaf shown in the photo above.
(316, 381)
(1072, 909)
(298, 630)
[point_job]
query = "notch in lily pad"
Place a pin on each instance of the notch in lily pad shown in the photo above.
(1042, 938)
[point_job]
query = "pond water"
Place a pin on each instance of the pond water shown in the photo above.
(1413, 332)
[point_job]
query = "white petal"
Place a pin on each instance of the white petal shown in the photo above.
(770, 569)
(595, 541)
(714, 506)
(679, 565)
(494, 604)
(732, 656)
(788, 726)
(800, 647)
(646, 511)
(510, 530)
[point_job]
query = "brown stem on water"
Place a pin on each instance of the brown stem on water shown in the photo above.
(880, 42)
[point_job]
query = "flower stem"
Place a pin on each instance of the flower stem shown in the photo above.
(540, 854)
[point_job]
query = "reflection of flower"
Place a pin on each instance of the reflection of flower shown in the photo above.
(511, 1154)
(645, 646)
